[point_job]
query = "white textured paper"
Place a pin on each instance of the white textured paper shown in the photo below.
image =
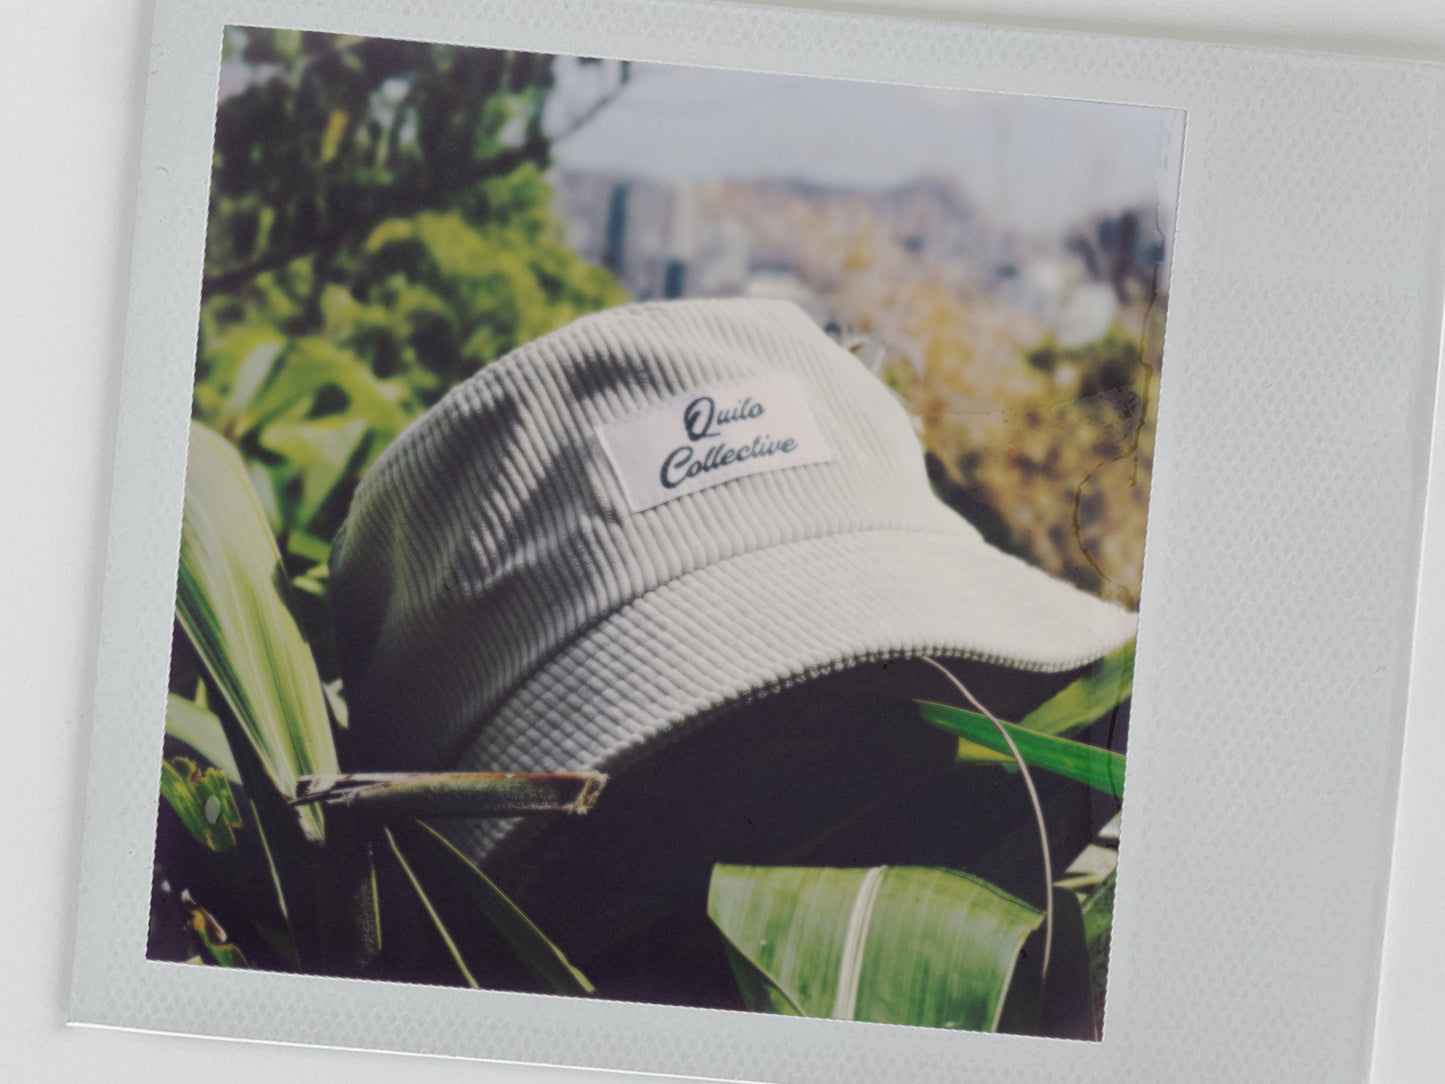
(1279, 582)
(712, 435)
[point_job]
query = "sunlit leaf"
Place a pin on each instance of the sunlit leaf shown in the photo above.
(307, 546)
(231, 600)
(312, 364)
(193, 725)
(321, 449)
(1102, 769)
(900, 945)
(250, 377)
(340, 713)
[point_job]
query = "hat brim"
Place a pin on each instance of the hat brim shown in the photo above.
(763, 621)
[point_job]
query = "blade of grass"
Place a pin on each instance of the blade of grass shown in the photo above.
(1090, 698)
(445, 871)
(1101, 769)
(431, 911)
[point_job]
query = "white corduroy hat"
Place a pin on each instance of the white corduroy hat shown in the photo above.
(653, 514)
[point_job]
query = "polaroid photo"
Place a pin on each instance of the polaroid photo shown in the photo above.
(629, 543)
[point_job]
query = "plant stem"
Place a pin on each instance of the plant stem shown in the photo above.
(395, 795)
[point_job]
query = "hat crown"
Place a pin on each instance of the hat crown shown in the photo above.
(495, 530)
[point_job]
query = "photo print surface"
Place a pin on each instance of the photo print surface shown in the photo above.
(663, 534)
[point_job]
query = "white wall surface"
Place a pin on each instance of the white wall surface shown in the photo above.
(71, 100)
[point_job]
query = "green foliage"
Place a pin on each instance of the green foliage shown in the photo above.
(192, 725)
(1107, 685)
(232, 602)
(1102, 769)
(899, 945)
(1106, 363)
(202, 800)
(463, 893)
(1099, 692)
(232, 599)
(380, 229)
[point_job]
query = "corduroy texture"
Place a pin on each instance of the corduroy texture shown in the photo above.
(499, 607)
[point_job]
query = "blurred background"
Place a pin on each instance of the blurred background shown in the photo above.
(387, 217)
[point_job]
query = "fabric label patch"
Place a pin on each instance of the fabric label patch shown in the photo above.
(712, 435)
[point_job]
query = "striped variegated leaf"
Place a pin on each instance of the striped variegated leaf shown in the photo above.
(896, 945)
(231, 601)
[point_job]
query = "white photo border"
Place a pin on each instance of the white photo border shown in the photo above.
(1283, 551)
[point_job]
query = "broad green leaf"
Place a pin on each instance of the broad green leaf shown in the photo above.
(760, 992)
(1102, 769)
(453, 892)
(1074, 707)
(897, 945)
(231, 599)
(193, 725)
(203, 801)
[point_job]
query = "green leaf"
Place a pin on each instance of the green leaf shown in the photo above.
(312, 364)
(252, 374)
(321, 449)
(308, 547)
(431, 912)
(232, 600)
(454, 893)
(898, 945)
(1102, 769)
(203, 801)
(1074, 707)
(193, 725)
